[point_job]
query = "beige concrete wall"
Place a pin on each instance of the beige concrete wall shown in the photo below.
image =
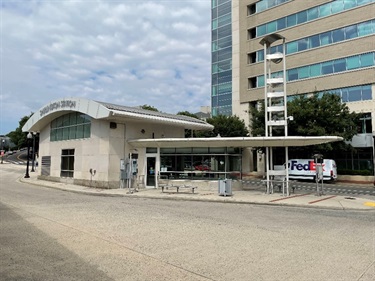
(103, 151)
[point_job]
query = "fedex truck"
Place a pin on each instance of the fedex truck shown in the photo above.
(305, 169)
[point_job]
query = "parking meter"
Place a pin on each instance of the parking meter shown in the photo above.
(318, 161)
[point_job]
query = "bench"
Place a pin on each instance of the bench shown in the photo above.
(165, 184)
(278, 183)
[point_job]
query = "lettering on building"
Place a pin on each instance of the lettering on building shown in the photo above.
(63, 104)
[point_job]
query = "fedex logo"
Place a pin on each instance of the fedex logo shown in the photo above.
(309, 166)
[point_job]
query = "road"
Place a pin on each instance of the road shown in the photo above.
(48, 234)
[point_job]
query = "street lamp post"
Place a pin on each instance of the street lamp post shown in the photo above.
(33, 154)
(29, 136)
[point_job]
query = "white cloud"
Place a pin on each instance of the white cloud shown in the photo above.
(126, 52)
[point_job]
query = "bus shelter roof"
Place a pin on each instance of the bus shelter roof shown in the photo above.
(289, 141)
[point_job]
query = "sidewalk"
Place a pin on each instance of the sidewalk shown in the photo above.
(308, 200)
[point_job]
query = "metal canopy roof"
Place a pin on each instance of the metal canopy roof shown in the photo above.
(108, 111)
(136, 113)
(234, 142)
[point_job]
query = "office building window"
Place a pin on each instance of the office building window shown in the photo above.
(365, 126)
(251, 58)
(323, 39)
(263, 5)
(325, 68)
(252, 82)
(353, 62)
(366, 28)
(251, 9)
(312, 14)
(338, 35)
(324, 10)
(367, 59)
(352, 94)
(351, 32)
(251, 33)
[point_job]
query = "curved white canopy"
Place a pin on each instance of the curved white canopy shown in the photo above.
(234, 142)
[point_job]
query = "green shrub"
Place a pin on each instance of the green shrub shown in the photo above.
(354, 172)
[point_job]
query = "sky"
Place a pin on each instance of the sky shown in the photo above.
(126, 52)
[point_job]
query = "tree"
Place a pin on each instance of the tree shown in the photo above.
(257, 120)
(225, 126)
(149, 107)
(315, 116)
(187, 113)
(18, 137)
(321, 116)
(188, 133)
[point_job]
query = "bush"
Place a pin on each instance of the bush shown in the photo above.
(354, 172)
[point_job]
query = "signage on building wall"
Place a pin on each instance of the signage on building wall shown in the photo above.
(63, 104)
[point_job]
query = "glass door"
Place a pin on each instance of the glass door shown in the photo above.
(151, 174)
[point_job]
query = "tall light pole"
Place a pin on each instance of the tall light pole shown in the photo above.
(275, 106)
(33, 154)
(29, 137)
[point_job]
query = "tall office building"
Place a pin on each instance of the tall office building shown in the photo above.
(329, 48)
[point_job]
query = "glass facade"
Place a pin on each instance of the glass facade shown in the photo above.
(71, 126)
(324, 10)
(221, 70)
(200, 162)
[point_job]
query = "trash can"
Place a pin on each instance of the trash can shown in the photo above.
(225, 187)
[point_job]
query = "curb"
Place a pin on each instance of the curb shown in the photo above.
(174, 198)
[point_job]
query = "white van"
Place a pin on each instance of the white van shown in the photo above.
(304, 169)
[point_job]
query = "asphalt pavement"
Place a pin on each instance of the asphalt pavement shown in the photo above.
(301, 198)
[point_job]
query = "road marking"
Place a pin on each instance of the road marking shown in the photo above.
(289, 197)
(370, 204)
(316, 201)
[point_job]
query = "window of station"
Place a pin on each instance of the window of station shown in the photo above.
(71, 126)
(200, 162)
(67, 163)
